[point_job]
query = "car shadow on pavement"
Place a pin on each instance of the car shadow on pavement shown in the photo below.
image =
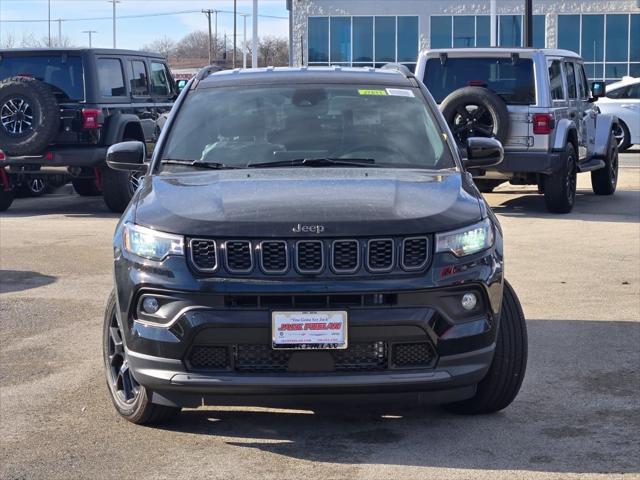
(19, 280)
(621, 207)
(59, 204)
(578, 412)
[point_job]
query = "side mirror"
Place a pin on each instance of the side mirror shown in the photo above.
(180, 84)
(128, 156)
(483, 152)
(598, 89)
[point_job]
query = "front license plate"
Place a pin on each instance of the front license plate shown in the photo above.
(309, 330)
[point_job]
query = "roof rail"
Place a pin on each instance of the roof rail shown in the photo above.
(204, 73)
(398, 67)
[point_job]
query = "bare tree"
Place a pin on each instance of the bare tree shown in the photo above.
(9, 40)
(193, 45)
(165, 46)
(63, 42)
(273, 51)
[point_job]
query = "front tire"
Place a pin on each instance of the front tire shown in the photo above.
(86, 187)
(130, 399)
(560, 188)
(118, 188)
(6, 199)
(502, 383)
(605, 180)
(487, 186)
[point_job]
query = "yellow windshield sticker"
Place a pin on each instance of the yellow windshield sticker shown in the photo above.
(372, 92)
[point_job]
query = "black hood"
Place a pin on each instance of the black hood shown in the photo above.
(271, 202)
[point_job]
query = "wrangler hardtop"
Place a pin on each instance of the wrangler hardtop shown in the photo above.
(60, 109)
(539, 104)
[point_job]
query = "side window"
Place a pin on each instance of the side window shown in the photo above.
(555, 79)
(582, 82)
(617, 93)
(139, 83)
(159, 80)
(571, 79)
(634, 91)
(111, 79)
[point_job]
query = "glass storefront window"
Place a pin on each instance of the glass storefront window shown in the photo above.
(539, 31)
(483, 31)
(385, 39)
(594, 70)
(634, 54)
(440, 32)
(464, 31)
(615, 70)
(407, 39)
(318, 50)
(617, 38)
(340, 33)
(569, 32)
(510, 31)
(593, 38)
(363, 39)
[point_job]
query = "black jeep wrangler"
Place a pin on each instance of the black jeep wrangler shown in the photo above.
(60, 109)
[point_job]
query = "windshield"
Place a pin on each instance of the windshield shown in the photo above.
(243, 127)
(513, 81)
(63, 73)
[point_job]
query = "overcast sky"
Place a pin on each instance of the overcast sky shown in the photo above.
(134, 32)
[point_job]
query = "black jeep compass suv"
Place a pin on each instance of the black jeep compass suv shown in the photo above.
(303, 232)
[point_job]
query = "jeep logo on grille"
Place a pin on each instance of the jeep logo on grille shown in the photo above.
(299, 228)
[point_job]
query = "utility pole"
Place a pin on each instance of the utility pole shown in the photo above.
(90, 32)
(215, 36)
(59, 32)
(235, 10)
(528, 23)
(254, 40)
(114, 20)
(244, 40)
(49, 23)
(208, 13)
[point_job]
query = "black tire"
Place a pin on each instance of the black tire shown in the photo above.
(118, 188)
(623, 137)
(33, 114)
(130, 399)
(605, 180)
(503, 380)
(86, 187)
(476, 112)
(487, 186)
(6, 199)
(560, 188)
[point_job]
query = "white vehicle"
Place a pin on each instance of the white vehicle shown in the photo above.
(623, 101)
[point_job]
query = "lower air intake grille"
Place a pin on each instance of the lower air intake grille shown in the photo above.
(205, 357)
(413, 355)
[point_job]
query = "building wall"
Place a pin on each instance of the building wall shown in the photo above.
(424, 9)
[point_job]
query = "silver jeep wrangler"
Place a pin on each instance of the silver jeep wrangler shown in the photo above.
(538, 103)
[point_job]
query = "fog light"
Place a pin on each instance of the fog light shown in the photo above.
(469, 301)
(150, 305)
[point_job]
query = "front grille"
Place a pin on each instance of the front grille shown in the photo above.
(204, 254)
(205, 357)
(239, 256)
(309, 256)
(274, 256)
(358, 357)
(345, 256)
(380, 255)
(413, 355)
(415, 253)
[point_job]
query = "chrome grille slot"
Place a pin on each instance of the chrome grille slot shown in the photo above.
(415, 253)
(239, 256)
(380, 255)
(309, 256)
(274, 256)
(203, 254)
(345, 256)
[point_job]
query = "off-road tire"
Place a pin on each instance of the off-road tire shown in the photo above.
(503, 380)
(86, 187)
(6, 199)
(45, 112)
(495, 106)
(116, 189)
(605, 180)
(625, 142)
(140, 411)
(487, 186)
(560, 187)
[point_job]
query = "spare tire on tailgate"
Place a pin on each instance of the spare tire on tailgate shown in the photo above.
(475, 112)
(29, 116)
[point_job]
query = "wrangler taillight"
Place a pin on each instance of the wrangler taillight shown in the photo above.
(91, 118)
(543, 123)
(2, 157)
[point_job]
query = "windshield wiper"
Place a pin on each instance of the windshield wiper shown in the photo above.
(316, 162)
(200, 164)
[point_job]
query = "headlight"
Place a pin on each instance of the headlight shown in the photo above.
(467, 240)
(151, 244)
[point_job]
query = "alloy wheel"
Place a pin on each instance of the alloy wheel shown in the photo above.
(123, 384)
(618, 133)
(613, 166)
(37, 185)
(16, 116)
(135, 179)
(472, 121)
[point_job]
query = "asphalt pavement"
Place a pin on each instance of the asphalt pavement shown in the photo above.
(577, 415)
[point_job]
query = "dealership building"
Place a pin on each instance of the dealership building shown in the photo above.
(606, 33)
